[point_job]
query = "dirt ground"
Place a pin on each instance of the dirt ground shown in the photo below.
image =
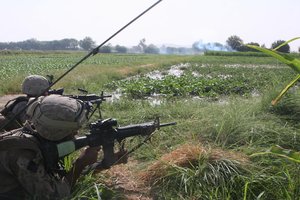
(123, 179)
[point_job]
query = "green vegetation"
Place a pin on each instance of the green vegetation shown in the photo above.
(206, 81)
(207, 154)
(91, 75)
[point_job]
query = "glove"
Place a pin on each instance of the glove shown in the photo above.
(88, 156)
(119, 157)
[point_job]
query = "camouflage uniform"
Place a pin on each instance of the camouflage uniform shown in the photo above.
(22, 172)
(22, 166)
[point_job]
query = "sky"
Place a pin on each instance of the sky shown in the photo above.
(177, 22)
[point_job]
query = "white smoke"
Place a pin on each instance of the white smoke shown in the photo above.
(215, 46)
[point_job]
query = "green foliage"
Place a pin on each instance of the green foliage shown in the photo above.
(292, 62)
(92, 189)
(206, 179)
(235, 42)
(33, 44)
(120, 49)
(224, 53)
(151, 49)
(209, 81)
(105, 49)
(279, 47)
(90, 75)
(87, 43)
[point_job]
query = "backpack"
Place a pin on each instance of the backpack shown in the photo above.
(17, 140)
(9, 106)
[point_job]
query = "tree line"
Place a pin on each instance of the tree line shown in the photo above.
(86, 44)
(233, 43)
(237, 44)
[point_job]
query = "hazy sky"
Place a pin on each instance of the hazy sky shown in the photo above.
(180, 22)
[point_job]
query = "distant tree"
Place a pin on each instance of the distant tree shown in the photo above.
(33, 44)
(284, 49)
(135, 49)
(245, 48)
(235, 42)
(183, 50)
(105, 49)
(87, 43)
(151, 49)
(142, 44)
(171, 50)
(299, 49)
(69, 44)
(30, 44)
(120, 49)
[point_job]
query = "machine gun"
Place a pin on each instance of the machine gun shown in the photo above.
(93, 100)
(102, 133)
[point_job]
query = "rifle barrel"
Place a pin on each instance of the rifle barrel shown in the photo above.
(167, 124)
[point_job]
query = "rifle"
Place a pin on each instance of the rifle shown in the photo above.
(59, 91)
(90, 99)
(102, 133)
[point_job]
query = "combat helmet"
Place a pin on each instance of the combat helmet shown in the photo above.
(55, 117)
(34, 85)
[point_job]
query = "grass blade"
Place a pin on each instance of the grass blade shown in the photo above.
(279, 151)
(286, 59)
(276, 100)
(291, 40)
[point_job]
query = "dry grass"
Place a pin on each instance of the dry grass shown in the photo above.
(187, 156)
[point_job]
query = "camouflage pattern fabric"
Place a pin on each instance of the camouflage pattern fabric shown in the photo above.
(34, 85)
(22, 174)
(20, 106)
(10, 126)
(19, 120)
(56, 117)
(2, 121)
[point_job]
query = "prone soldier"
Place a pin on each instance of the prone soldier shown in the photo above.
(32, 86)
